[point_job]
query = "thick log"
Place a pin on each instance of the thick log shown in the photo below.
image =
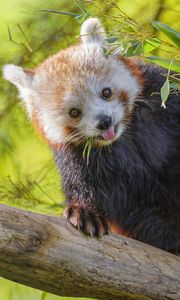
(47, 253)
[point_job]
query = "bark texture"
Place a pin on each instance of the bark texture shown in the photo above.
(45, 252)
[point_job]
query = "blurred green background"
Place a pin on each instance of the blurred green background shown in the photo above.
(28, 176)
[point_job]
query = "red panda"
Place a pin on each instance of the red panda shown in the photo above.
(131, 184)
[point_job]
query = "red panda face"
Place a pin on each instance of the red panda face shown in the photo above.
(79, 93)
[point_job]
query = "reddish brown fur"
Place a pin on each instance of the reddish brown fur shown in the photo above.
(117, 229)
(133, 68)
(124, 96)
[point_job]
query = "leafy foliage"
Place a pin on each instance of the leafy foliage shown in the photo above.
(28, 176)
(172, 34)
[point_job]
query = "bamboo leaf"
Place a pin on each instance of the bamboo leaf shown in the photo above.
(111, 39)
(84, 11)
(171, 33)
(9, 33)
(174, 86)
(151, 44)
(60, 12)
(165, 92)
(135, 49)
(175, 66)
(80, 19)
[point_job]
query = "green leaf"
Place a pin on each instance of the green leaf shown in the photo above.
(80, 19)
(151, 44)
(84, 11)
(174, 86)
(106, 52)
(138, 47)
(111, 39)
(166, 63)
(171, 33)
(165, 92)
(60, 12)
(135, 49)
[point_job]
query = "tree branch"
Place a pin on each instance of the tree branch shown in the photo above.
(45, 252)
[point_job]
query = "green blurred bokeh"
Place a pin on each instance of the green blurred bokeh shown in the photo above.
(28, 176)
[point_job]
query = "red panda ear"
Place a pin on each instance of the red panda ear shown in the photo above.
(18, 76)
(23, 80)
(92, 32)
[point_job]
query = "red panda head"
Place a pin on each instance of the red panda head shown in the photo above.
(80, 92)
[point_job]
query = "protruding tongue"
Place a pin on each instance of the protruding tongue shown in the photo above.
(109, 134)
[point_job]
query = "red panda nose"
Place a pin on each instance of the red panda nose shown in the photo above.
(104, 122)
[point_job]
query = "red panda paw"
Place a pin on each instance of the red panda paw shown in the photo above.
(88, 222)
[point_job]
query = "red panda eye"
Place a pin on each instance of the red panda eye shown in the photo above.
(106, 93)
(74, 113)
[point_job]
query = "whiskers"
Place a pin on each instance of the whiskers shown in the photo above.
(77, 138)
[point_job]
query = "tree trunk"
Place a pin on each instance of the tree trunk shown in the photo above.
(47, 253)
